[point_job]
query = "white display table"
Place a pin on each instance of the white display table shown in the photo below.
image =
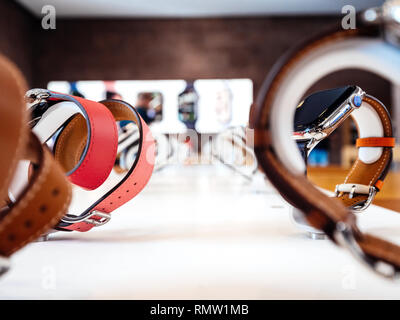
(199, 232)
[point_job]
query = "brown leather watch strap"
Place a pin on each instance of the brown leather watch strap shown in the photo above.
(44, 200)
(370, 174)
(71, 142)
(40, 206)
(321, 211)
(13, 119)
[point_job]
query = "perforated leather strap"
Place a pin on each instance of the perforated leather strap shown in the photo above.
(322, 212)
(45, 198)
(13, 119)
(134, 180)
(41, 205)
(88, 163)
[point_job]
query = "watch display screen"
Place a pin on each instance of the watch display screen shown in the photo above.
(319, 106)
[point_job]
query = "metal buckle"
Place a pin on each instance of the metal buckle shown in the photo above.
(344, 235)
(4, 265)
(36, 95)
(104, 218)
(364, 205)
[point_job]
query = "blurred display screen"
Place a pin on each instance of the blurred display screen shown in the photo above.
(221, 103)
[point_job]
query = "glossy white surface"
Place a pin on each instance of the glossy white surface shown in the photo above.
(199, 232)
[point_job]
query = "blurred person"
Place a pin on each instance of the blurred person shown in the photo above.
(143, 106)
(111, 92)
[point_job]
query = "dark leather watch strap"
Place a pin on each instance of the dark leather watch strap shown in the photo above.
(322, 212)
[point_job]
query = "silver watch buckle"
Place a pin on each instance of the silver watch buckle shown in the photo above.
(34, 96)
(104, 218)
(359, 207)
(88, 218)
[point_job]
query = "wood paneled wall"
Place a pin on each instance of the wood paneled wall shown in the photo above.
(169, 49)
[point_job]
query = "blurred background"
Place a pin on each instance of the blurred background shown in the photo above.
(188, 64)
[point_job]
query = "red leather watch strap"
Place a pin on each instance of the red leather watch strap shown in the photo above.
(89, 164)
(136, 178)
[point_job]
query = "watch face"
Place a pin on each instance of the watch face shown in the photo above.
(317, 107)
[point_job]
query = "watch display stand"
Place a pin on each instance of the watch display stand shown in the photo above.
(298, 219)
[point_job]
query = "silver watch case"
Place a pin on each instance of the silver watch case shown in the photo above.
(329, 124)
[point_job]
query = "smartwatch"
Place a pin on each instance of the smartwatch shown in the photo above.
(318, 115)
(128, 147)
(233, 149)
(273, 116)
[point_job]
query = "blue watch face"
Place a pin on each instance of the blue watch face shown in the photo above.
(319, 106)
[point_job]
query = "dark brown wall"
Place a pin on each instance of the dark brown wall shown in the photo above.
(16, 37)
(85, 49)
(170, 49)
(178, 49)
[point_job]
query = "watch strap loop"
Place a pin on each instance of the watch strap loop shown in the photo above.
(376, 142)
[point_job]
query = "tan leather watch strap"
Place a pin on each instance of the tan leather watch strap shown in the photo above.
(42, 203)
(71, 142)
(321, 211)
(13, 119)
(40, 206)
(370, 174)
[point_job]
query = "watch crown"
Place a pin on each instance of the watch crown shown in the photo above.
(357, 101)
